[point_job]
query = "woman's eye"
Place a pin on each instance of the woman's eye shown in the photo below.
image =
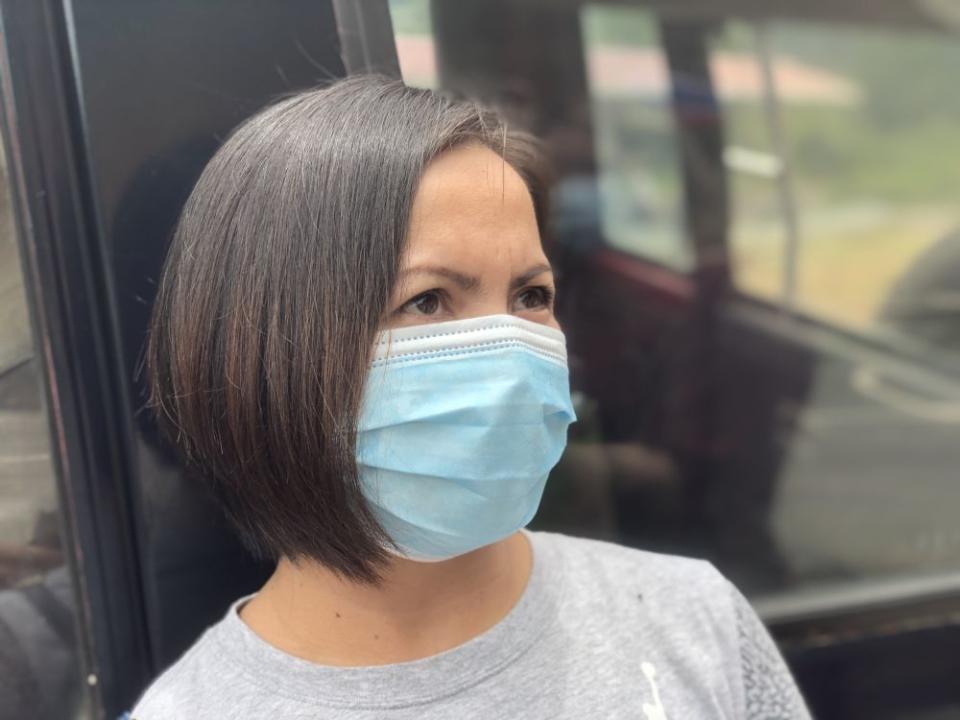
(535, 298)
(426, 303)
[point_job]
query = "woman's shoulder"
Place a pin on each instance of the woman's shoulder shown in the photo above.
(673, 595)
(603, 560)
(680, 614)
(182, 689)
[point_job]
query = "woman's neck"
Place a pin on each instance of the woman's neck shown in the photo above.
(419, 609)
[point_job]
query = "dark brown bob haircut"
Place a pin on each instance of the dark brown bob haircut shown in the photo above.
(273, 290)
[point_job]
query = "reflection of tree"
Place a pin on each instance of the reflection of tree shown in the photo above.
(905, 76)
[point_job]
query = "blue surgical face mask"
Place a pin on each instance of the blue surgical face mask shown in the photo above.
(461, 423)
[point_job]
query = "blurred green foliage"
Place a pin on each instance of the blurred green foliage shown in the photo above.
(410, 17)
(901, 143)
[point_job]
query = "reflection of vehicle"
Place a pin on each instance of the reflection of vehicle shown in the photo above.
(728, 409)
(925, 302)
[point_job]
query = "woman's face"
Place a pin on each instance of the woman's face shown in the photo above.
(473, 247)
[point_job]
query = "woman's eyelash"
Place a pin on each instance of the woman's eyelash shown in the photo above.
(545, 292)
(434, 292)
(544, 295)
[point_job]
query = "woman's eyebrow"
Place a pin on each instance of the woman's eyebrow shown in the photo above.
(470, 282)
(465, 282)
(528, 275)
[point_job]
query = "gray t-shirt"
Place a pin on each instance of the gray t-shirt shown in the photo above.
(601, 631)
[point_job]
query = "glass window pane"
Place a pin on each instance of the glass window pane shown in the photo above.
(411, 27)
(871, 128)
(640, 193)
(757, 232)
(40, 675)
(801, 455)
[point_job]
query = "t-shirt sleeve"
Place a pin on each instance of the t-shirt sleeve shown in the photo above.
(769, 689)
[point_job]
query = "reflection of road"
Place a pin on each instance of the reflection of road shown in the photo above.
(866, 488)
(26, 477)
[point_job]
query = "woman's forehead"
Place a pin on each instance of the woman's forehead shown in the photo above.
(471, 178)
(470, 193)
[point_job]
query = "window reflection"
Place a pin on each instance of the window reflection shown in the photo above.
(755, 228)
(869, 128)
(39, 666)
(640, 188)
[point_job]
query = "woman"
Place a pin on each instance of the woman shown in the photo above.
(354, 340)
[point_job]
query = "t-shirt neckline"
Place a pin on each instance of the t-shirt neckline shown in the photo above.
(406, 683)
